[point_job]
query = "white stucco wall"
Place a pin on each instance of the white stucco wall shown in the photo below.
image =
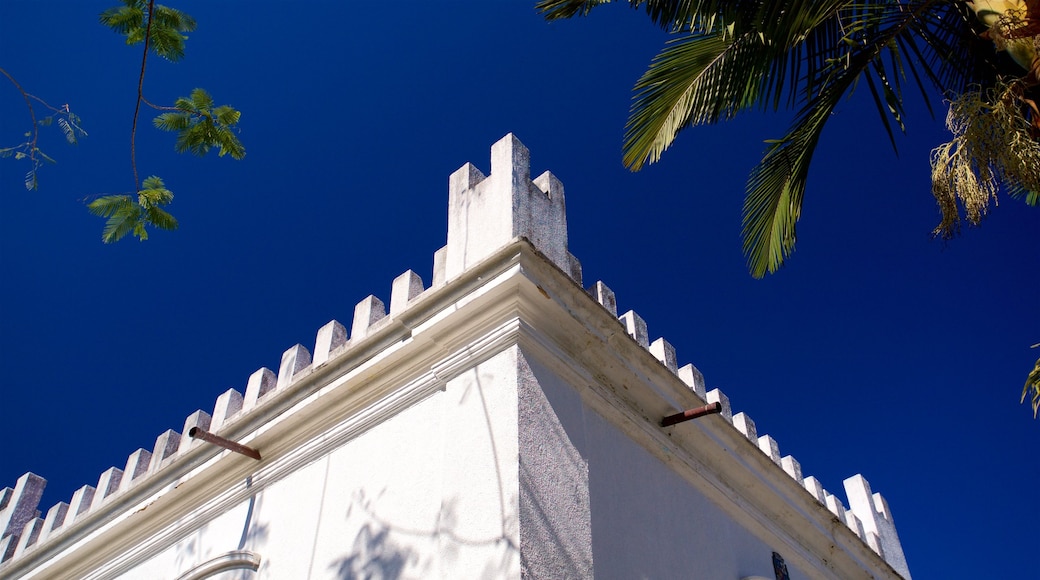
(429, 493)
(593, 502)
(505, 473)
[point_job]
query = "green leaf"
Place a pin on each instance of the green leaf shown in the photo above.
(126, 18)
(45, 157)
(731, 56)
(200, 99)
(70, 135)
(128, 217)
(120, 224)
(773, 199)
(31, 182)
(167, 43)
(107, 205)
(168, 26)
(154, 193)
(665, 97)
(201, 127)
(161, 219)
(172, 121)
(226, 115)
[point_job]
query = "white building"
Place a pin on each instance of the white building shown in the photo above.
(502, 423)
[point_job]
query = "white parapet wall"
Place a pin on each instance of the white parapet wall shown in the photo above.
(502, 423)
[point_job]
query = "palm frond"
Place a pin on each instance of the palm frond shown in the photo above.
(560, 9)
(200, 99)
(161, 219)
(1032, 388)
(126, 216)
(225, 115)
(165, 26)
(172, 121)
(107, 205)
(776, 187)
(122, 221)
(174, 19)
(123, 19)
(167, 43)
(201, 126)
(730, 56)
(154, 193)
(667, 94)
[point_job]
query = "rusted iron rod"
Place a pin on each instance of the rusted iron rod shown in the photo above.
(709, 409)
(196, 433)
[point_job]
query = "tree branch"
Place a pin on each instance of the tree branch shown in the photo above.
(32, 115)
(140, 94)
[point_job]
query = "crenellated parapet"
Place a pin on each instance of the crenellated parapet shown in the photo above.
(868, 515)
(21, 523)
(486, 213)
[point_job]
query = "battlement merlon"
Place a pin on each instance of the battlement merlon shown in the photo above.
(486, 213)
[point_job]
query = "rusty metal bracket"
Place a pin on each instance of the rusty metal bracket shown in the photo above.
(709, 409)
(196, 433)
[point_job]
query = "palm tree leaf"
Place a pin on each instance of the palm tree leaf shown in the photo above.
(226, 115)
(107, 205)
(185, 104)
(738, 54)
(174, 19)
(161, 219)
(153, 182)
(200, 99)
(229, 144)
(668, 92)
(124, 19)
(776, 187)
(167, 43)
(909, 47)
(154, 193)
(172, 121)
(881, 108)
(123, 221)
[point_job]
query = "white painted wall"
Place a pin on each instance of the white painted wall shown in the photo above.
(594, 503)
(429, 493)
(507, 470)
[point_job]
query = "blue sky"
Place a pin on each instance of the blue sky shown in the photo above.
(876, 350)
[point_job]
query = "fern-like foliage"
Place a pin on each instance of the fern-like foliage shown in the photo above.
(200, 126)
(126, 216)
(168, 26)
